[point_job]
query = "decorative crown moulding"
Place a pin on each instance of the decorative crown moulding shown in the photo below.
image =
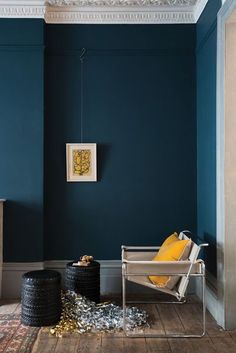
(105, 11)
(159, 3)
(108, 16)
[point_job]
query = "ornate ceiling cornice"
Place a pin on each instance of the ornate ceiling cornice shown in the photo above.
(105, 11)
(160, 3)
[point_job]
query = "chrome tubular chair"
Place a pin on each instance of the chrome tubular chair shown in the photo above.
(137, 265)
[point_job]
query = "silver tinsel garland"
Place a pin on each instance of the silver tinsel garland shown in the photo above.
(81, 315)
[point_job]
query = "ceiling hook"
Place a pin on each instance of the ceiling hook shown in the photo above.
(83, 52)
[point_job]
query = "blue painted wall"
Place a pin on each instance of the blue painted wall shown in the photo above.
(21, 137)
(140, 110)
(146, 144)
(206, 129)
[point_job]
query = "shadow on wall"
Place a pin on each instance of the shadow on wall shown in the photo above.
(23, 231)
(210, 254)
(103, 153)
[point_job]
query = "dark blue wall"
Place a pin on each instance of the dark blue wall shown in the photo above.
(21, 137)
(206, 129)
(140, 110)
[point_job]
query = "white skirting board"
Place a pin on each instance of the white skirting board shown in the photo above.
(110, 273)
(110, 276)
(13, 271)
(11, 277)
(212, 303)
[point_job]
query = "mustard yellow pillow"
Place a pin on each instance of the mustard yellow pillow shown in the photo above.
(169, 240)
(175, 251)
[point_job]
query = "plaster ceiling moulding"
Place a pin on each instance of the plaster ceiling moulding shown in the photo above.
(22, 9)
(115, 16)
(159, 3)
(105, 11)
(120, 11)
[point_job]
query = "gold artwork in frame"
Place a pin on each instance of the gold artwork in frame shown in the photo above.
(81, 161)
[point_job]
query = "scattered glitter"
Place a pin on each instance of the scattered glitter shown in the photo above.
(81, 315)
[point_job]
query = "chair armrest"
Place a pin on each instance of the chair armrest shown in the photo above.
(203, 245)
(129, 251)
(130, 248)
(145, 268)
(160, 263)
(134, 247)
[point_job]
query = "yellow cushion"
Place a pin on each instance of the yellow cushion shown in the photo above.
(169, 240)
(174, 251)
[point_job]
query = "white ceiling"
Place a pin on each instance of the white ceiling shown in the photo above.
(105, 11)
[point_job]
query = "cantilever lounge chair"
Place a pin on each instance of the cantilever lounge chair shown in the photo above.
(137, 265)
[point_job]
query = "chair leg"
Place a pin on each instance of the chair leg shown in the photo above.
(146, 335)
(124, 302)
(204, 301)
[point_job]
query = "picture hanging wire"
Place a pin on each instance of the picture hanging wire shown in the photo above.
(83, 52)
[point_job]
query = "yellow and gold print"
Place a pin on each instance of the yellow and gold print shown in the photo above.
(82, 162)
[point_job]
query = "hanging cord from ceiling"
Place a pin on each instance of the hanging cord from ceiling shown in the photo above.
(83, 52)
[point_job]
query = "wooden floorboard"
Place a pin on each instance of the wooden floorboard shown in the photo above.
(190, 318)
(157, 345)
(224, 344)
(67, 344)
(154, 320)
(45, 343)
(135, 345)
(233, 334)
(170, 319)
(181, 345)
(163, 319)
(112, 344)
(203, 345)
(8, 307)
(89, 344)
(212, 328)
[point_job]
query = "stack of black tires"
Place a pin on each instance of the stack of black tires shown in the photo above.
(84, 280)
(41, 298)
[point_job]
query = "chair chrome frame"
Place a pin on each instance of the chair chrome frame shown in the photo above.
(180, 299)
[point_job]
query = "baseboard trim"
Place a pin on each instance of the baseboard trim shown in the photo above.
(110, 273)
(22, 266)
(61, 264)
(13, 271)
(212, 303)
(110, 277)
(11, 277)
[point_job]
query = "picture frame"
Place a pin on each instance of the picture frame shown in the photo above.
(81, 162)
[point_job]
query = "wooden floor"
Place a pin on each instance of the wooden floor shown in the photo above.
(163, 319)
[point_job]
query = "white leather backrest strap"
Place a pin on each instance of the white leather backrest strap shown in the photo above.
(185, 235)
(195, 249)
(194, 252)
(193, 255)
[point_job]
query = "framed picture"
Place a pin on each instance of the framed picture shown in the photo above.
(81, 161)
